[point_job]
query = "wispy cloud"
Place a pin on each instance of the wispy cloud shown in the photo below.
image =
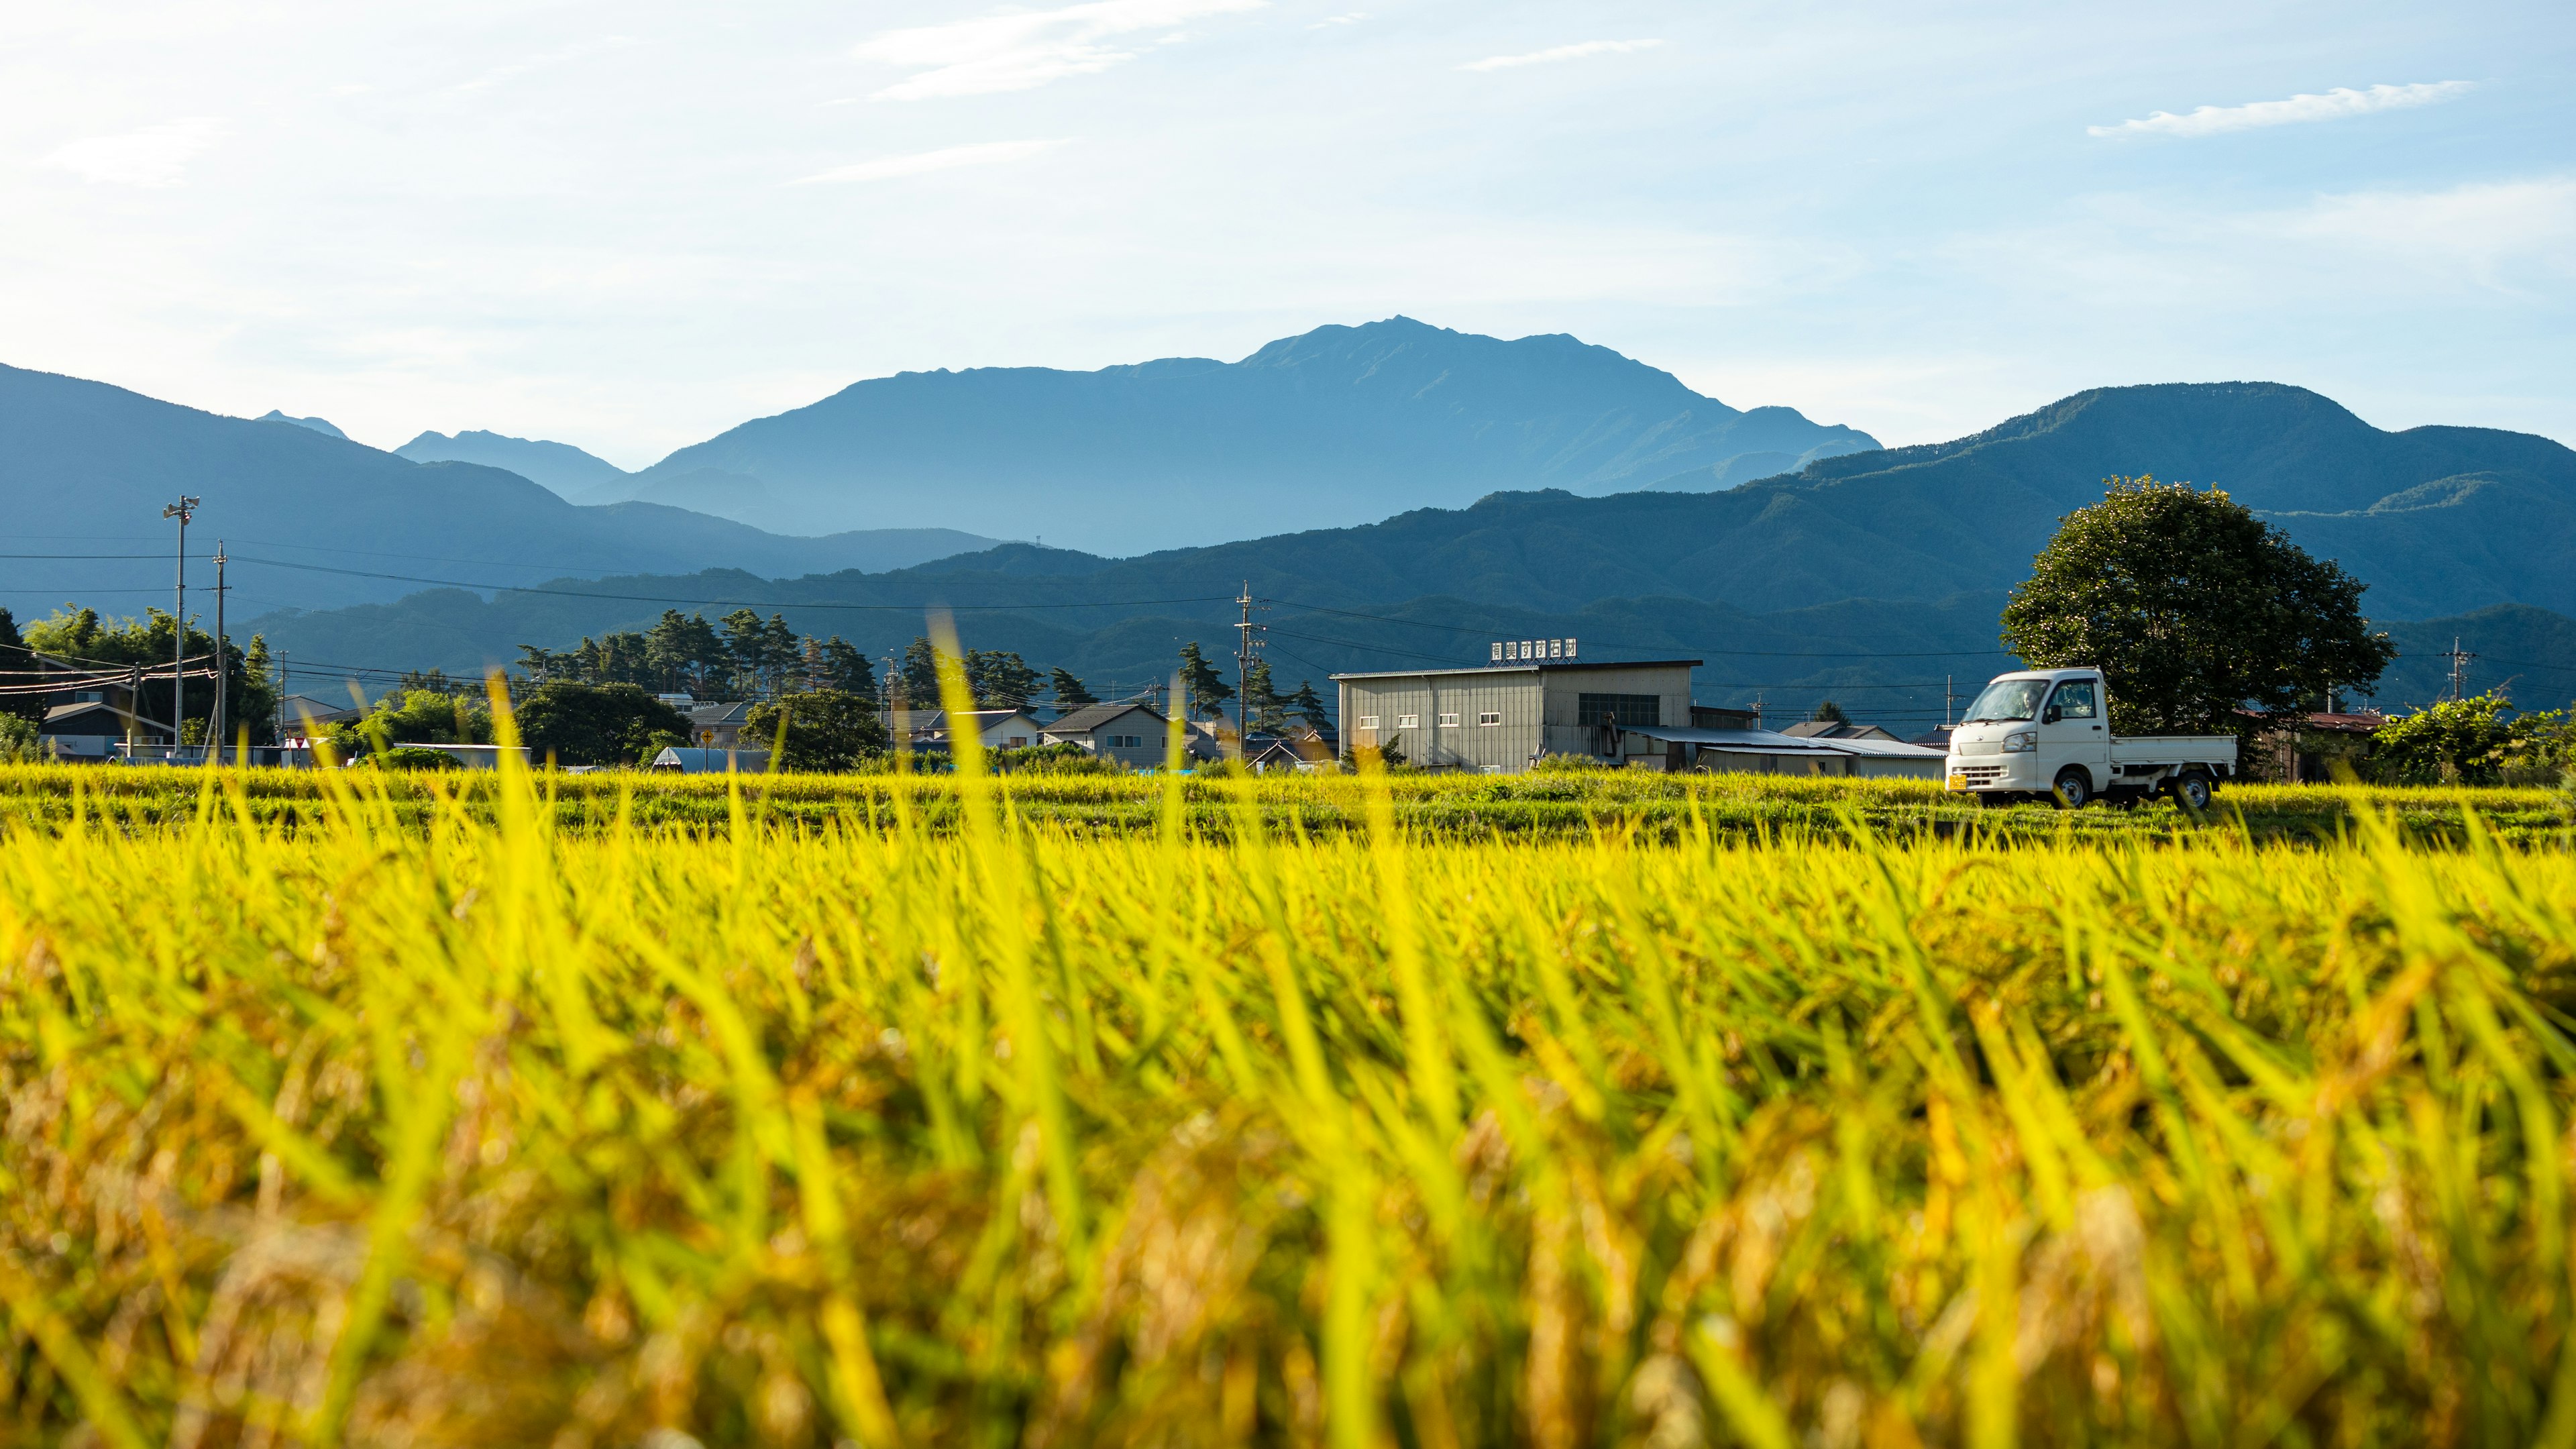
(921, 163)
(1576, 51)
(1353, 18)
(2334, 105)
(1022, 50)
(153, 156)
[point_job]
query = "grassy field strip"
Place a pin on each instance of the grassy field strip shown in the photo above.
(1657, 806)
(433, 1122)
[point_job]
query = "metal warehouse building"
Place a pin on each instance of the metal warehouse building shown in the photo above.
(1502, 717)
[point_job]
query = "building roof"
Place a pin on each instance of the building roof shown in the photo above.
(1527, 666)
(292, 709)
(1769, 742)
(1092, 716)
(1835, 729)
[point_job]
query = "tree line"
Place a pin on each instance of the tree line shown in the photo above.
(743, 656)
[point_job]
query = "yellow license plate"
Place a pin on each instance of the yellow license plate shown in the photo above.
(1958, 782)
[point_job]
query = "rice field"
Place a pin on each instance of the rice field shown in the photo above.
(428, 1114)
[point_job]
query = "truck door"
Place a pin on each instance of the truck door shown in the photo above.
(2071, 732)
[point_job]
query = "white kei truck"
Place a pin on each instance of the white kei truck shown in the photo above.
(2046, 734)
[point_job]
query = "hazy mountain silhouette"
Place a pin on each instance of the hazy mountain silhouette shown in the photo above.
(1896, 552)
(559, 466)
(85, 469)
(319, 425)
(1334, 427)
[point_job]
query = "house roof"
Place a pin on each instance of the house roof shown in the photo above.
(62, 719)
(1528, 666)
(1092, 716)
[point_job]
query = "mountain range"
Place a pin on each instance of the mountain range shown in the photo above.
(315, 520)
(1878, 574)
(1325, 429)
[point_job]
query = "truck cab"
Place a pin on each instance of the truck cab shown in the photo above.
(2047, 733)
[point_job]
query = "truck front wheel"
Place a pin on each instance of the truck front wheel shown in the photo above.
(2074, 787)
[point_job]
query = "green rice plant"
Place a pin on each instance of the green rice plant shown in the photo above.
(1294, 1113)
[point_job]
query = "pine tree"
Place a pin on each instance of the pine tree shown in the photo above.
(779, 655)
(1204, 690)
(1000, 680)
(919, 686)
(1264, 712)
(1310, 707)
(1069, 691)
(846, 669)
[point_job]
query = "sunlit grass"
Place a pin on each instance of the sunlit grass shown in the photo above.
(423, 1121)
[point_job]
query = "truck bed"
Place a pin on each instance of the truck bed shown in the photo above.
(2173, 750)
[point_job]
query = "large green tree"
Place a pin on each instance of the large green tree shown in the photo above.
(826, 729)
(2207, 619)
(598, 724)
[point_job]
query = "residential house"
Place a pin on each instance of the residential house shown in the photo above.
(1131, 733)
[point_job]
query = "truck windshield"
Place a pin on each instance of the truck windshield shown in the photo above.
(2007, 699)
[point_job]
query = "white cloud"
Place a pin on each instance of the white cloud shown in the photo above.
(947, 158)
(153, 156)
(1353, 18)
(2334, 105)
(1022, 50)
(2491, 234)
(1576, 51)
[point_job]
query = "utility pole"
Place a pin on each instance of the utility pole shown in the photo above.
(1949, 699)
(183, 510)
(1245, 645)
(215, 724)
(2459, 667)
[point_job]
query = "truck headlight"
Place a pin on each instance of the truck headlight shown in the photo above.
(2020, 741)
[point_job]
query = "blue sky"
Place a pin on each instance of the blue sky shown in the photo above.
(631, 225)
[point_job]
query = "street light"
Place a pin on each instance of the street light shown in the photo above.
(183, 510)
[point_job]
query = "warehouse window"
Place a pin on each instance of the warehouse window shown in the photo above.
(1448, 721)
(1619, 709)
(1368, 721)
(1490, 717)
(1408, 721)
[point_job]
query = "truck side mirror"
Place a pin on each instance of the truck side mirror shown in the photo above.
(2052, 716)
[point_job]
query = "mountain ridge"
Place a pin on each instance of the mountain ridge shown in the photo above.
(1314, 430)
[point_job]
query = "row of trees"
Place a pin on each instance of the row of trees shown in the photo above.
(746, 656)
(742, 656)
(82, 639)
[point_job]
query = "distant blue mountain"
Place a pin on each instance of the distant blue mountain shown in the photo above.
(319, 425)
(313, 520)
(565, 469)
(1341, 426)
